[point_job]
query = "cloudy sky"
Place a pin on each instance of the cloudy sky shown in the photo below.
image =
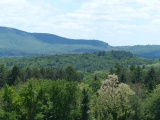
(117, 22)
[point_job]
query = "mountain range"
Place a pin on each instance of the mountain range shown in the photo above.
(16, 43)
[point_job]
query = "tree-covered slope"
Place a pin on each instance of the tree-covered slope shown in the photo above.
(54, 39)
(15, 42)
(99, 61)
(147, 51)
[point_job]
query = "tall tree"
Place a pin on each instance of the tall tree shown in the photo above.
(71, 74)
(114, 97)
(3, 75)
(138, 74)
(65, 97)
(31, 98)
(151, 105)
(15, 75)
(8, 106)
(150, 80)
(85, 105)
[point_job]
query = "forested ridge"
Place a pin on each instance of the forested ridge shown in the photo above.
(90, 62)
(114, 85)
(18, 43)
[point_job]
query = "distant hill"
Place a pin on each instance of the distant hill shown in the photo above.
(16, 43)
(54, 39)
(146, 51)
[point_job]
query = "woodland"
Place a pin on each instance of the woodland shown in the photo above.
(115, 85)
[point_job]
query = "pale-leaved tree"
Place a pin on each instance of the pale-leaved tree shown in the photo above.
(113, 100)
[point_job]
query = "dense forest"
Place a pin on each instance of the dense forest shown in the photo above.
(88, 62)
(114, 85)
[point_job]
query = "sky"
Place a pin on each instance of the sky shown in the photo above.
(117, 22)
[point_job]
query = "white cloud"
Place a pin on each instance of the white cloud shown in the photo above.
(114, 16)
(24, 14)
(71, 25)
(94, 19)
(12, 1)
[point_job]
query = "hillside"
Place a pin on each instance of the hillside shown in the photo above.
(89, 62)
(15, 42)
(146, 51)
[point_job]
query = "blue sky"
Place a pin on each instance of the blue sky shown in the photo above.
(117, 22)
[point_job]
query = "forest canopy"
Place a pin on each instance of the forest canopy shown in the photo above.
(112, 85)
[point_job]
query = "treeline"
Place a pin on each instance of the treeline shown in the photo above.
(126, 90)
(86, 62)
(145, 78)
(135, 75)
(40, 99)
(17, 75)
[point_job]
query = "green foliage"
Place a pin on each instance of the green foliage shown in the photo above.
(8, 109)
(15, 75)
(50, 88)
(31, 99)
(151, 105)
(85, 104)
(150, 79)
(70, 74)
(42, 99)
(64, 97)
(84, 62)
(3, 75)
(114, 99)
(147, 51)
